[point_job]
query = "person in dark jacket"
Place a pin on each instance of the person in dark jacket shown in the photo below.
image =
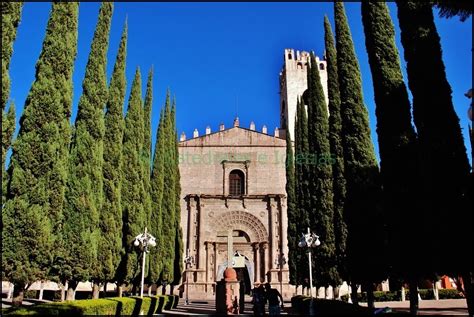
(274, 299)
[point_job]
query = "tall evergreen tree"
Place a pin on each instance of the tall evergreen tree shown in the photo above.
(364, 241)
(146, 158)
(445, 192)
(178, 249)
(301, 186)
(293, 218)
(8, 128)
(133, 213)
(321, 195)
(397, 142)
(11, 14)
(147, 142)
(168, 200)
(451, 8)
(335, 142)
(110, 246)
(157, 185)
(85, 182)
(34, 209)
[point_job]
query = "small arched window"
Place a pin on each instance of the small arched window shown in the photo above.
(300, 65)
(321, 66)
(289, 56)
(236, 183)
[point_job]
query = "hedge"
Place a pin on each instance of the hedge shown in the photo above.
(397, 295)
(114, 306)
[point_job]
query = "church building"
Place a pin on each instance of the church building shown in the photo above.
(233, 196)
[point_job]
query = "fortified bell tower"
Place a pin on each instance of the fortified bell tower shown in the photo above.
(294, 83)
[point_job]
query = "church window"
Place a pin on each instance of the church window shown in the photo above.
(289, 56)
(321, 66)
(236, 183)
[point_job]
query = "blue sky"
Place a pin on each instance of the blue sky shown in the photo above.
(223, 59)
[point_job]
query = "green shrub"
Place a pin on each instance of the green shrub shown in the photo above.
(162, 300)
(176, 301)
(131, 306)
(170, 302)
(449, 294)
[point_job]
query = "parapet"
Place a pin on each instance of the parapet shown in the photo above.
(277, 132)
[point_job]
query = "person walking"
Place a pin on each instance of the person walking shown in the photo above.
(274, 298)
(258, 300)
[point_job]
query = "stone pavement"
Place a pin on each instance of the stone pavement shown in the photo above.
(208, 308)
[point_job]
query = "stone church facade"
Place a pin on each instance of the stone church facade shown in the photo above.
(233, 189)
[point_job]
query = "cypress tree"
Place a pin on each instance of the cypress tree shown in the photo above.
(157, 185)
(168, 201)
(133, 213)
(293, 219)
(321, 196)
(11, 14)
(301, 186)
(364, 241)
(147, 142)
(34, 209)
(445, 192)
(449, 9)
(146, 160)
(8, 128)
(110, 247)
(397, 141)
(85, 183)
(337, 153)
(178, 248)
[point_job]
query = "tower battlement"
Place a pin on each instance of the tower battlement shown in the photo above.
(294, 83)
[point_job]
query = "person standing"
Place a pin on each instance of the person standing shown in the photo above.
(274, 298)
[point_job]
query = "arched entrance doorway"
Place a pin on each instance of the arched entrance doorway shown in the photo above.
(249, 239)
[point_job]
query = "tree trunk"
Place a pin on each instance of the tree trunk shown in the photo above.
(119, 290)
(403, 294)
(354, 298)
(40, 296)
(335, 292)
(413, 297)
(95, 290)
(18, 293)
(63, 290)
(435, 290)
(172, 289)
(71, 290)
(468, 289)
(105, 290)
(369, 288)
(134, 289)
(149, 289)
(10, 291)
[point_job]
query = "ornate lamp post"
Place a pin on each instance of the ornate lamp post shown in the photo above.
(280, 261)
(143, 240)
(189, 261)
(310, 240)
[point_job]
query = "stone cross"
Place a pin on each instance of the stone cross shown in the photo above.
(230, 242)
